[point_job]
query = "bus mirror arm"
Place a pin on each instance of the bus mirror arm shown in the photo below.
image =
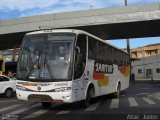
(77, 49)
(78, 55)
(79, 58)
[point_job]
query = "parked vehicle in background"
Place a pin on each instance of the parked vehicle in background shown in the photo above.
(2, 65)
(7, 68)
(7, 86)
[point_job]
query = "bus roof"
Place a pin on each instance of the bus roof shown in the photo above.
(72, 31)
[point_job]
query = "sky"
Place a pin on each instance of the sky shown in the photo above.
(10, 9)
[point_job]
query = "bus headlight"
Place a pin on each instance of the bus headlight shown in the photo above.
(21, 88)
(62, 89)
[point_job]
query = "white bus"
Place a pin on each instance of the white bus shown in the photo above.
(69, 65)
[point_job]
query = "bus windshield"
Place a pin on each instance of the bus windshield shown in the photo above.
(46, 57)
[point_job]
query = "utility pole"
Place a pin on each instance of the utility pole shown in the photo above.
(91, 6)
(125, 2)
(128, 45)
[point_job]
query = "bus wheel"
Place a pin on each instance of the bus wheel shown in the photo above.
(8, 93)
(117, 94)
(89, 95)
(46, 104)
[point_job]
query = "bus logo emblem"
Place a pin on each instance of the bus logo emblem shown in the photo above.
(39, 88)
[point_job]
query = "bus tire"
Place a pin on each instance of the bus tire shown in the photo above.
(8, 93)
(46, 104)
(117, 93)
(89, 96)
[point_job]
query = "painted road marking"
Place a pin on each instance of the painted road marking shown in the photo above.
(114, 103)
(63, 112)
(10, 107)
(24, 109)
(36, 114)
(142, 94)
(149, 101)
(9, 101)
(93, 107)
(132, 102)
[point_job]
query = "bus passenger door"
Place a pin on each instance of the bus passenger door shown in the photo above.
(79, 67)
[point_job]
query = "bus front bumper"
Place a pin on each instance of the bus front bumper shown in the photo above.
(64, 97)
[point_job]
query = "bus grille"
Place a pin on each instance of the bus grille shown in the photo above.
(40, 98)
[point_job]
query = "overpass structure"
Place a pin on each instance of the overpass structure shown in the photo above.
(107, 23)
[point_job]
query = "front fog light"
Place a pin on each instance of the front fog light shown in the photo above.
(66, 97)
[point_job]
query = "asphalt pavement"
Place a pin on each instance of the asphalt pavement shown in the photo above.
(141, 101)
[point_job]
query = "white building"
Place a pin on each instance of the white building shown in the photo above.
(147, 68)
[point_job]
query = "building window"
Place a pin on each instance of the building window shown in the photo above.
(156, 52)
(158, 70)
(139, 71)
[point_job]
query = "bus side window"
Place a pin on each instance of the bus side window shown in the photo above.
(92, 48)
(79, 66)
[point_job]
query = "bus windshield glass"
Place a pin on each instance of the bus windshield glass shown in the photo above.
(46, 57)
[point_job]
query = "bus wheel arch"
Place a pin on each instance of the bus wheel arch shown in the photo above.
(118, 89)
(89, 95)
